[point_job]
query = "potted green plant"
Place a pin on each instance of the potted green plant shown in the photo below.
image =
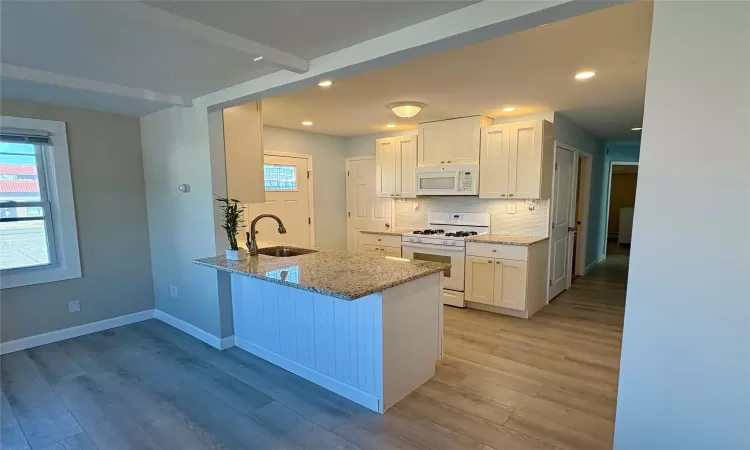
(233, 219)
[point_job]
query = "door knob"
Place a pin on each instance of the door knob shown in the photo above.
(571, 229)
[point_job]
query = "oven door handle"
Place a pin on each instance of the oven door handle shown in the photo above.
(432, 247)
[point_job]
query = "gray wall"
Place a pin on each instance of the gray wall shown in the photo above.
(685, 370)
(110, 202)
(329, 178)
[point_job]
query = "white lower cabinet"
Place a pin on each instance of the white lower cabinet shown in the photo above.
(514, 286)
(376, 250)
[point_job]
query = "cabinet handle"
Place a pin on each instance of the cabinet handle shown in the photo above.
(497, 262)
(510, 195)
(490, 261)
(448, 162)
(494, 250)
(442, 162)
(502, 195)
(379, 240)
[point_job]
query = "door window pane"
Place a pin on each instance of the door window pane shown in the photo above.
(23, 243)
(280, 178)
(19, 174)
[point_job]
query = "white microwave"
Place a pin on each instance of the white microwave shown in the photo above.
(456, 179)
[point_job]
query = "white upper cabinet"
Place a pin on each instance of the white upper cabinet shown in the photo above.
(516, 160)
(395, 164)
(454, 141)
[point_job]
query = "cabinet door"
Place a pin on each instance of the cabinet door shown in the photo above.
(510, 284)
(391, 251)
(466, 135)
(480, 275)
(435, 144)
(525, 169)
(385, 167)
(370, 250)
(406, 164)
(495, 158)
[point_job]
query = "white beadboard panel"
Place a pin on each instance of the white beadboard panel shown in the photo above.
(522, 223)
(338, 339)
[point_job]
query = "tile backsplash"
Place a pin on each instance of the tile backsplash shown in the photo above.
(522, 223)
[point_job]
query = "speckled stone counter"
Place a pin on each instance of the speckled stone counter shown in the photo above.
(388, 231)
(506, 239)
(336, 273)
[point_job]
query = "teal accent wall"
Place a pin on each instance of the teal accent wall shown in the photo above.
(611, 151)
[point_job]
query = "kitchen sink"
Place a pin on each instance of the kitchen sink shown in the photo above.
(283, 252)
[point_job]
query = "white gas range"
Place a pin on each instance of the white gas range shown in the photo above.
(444, 242)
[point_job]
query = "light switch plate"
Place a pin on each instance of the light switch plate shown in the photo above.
(74, 306)
(415, 206)
(510, 208)
(173, 292)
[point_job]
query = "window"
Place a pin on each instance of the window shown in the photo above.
(280, 178)
(38, 240)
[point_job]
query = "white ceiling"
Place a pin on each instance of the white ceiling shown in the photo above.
(531, 70)
(127, 57)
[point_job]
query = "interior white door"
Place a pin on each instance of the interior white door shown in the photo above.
(562, 214)
(288, 197)
(365, 210)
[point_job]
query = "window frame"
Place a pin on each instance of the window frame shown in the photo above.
(53, 166)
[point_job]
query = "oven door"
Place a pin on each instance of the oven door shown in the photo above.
(453, 278)
(439, 182)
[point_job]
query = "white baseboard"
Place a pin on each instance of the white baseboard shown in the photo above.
(192, 330)
(339, 387)
(68, 333)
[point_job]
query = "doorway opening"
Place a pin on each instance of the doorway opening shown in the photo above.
(623, 180)
(569, 217)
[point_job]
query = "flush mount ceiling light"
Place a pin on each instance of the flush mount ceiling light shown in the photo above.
(258, 58)
(406, 109)
(307, 123)
(390, 125)
(636, 129)
(509, 109)
(585, 75)
(325, 83)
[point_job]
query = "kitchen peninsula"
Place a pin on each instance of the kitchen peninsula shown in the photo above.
(366, 328)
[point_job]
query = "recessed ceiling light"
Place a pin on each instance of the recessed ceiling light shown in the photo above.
(509, 109)
(406, 109)
(325, 83)
(636, 129)
(390, 125)
(584, 75)
(307, 123)
(258, 58)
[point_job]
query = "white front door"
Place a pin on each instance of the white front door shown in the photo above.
(288, 197)
(365, 210)
(562, 220)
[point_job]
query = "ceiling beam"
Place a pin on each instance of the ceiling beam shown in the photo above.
(39, 76)
(166, 20)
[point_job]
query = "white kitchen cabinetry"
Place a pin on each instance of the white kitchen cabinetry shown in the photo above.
(454, 141)
(395, 164)
(516, 160)
(380, 244)
(506, 279)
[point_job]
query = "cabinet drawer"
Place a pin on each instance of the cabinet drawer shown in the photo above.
(513, 252)
(380, 239)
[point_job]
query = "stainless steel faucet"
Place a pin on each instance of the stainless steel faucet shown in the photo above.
(252, 245)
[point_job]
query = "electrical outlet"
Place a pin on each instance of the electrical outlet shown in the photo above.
(510, 208)
(400, 200)
(74, 306)
(415, 206)
(173, 292)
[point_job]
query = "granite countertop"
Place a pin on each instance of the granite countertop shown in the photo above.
(388, 231)
(335, 273)
(506, 239)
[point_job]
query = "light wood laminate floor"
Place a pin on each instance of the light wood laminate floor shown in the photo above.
(545, 383)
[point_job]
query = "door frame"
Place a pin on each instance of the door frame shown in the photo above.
(612, 164)
(310, 186)
(586, 174)
(347, 162)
